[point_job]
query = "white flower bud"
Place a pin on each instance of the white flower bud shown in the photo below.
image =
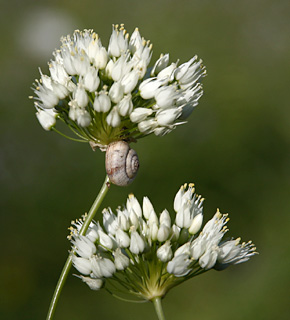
(101, 58)
(93, 47)
(46, 118)
(110, 221)
(102, 102)
(102, 267)
(163, 233)
(125, 106)
(121, 261)
(147, 207)
(183, 69)
(81, 63)
(117, 70)
(168, 116)
(48, 97)
(175, 232)
(94, 284)
(123, 220)
(165, 218)
(113, 119)
(167, 73)
(122, 238)
(107, 267)
(208, 259)
(141, 68)
(113, 47)
(135, 41)
(68, 61)
(153, 231)
(162, 131)
(179, 265)
(229, 251)
(58, 73)
(129, 81)
(133, 203)
(133, 218)
(91, 80)
(109, 68)
(92, 233)
(83, 265)
(196, 224)
(178, 198)
(140, 114)
(80, 96)
(105, 241)
(153, 218)
(149, 87)
(147, 126)
(160, 64)
(116, 92)
(137, 244)
(197, 247)
(166, 96)
(184, 249)
(83, 118)
(84, 247)
(164, 253)
(59, 90)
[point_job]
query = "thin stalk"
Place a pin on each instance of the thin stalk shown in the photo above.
(65, 271)
(158, 308)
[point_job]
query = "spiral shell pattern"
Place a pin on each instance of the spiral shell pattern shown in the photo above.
(122, 163)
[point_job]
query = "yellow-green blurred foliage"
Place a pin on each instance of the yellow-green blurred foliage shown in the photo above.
(235, 148)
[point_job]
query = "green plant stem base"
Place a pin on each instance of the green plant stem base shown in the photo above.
(65, 271)
(158, 308)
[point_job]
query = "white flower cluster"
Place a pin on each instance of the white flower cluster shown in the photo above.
(109, 94)
(146, 254)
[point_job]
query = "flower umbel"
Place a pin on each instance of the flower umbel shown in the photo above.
(143, 254)
(104, 95)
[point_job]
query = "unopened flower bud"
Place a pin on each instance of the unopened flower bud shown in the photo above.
(137, 244)
(196, 224)
(140, 114)
(46, 118)
(125, 106)
(94, 284)
(113, 119)
(121, 261)
(164, 253)
(116, 92)
(163, 233)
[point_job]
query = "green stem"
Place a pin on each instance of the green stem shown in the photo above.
(68, 264)
(158, 308)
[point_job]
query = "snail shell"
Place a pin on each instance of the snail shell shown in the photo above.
(122, 163)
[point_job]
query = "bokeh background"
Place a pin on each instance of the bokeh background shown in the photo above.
(235, 148)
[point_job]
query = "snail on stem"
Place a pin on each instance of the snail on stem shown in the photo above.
(122, 163)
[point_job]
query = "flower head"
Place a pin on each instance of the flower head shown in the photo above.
(144, 254)
(108, 94)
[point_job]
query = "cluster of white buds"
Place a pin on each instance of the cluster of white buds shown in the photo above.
(105, 95)
(141, 253)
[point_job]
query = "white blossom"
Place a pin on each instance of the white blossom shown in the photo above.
(137, 248)
(86, 79)
(121, 261)
(164, 253)
(47, 118)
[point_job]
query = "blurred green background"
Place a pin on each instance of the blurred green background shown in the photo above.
(235, 148)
